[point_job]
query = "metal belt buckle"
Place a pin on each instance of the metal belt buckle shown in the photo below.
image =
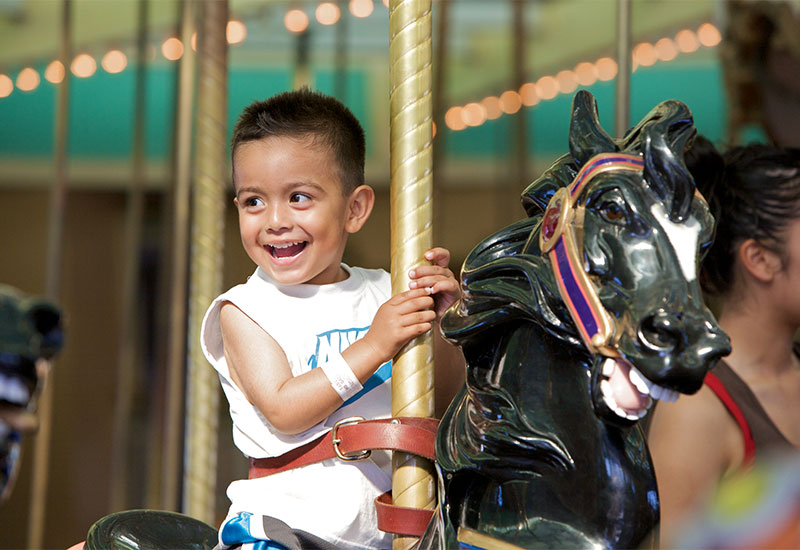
(335, 440)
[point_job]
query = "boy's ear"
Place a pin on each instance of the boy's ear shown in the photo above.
(359, 207)
(762, 263)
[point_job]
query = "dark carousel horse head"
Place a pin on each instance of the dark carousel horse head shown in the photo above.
(573, 321)
(30, 331)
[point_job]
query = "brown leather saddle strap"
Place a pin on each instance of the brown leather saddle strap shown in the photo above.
(351, 440)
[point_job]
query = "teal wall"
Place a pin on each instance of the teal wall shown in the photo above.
(101, 118)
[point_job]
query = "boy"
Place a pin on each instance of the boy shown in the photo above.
(308, 341)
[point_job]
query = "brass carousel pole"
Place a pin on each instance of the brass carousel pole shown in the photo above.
(208, 210)
(55, 247)
(128, 338)
(176, 345)
(411, 220)
(622, 112)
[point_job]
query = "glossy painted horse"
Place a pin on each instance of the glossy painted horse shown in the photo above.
(573, 321)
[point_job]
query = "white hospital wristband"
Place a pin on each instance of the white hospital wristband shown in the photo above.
(341, 376)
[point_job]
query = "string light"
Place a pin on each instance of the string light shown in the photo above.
(361, 8)
(567, 81)
(172, 49)
(28, 79)
(492, 106)
(327, 13)
(473, 114)
(54, 73)
(83, 66)
(453, 118)
(114, 61)
(708, 35)
(666, 50)
(296, 21)
(606, 69)
(235, 32)
(547, 87)
(687, 42)
(510, 102)
(528, 94)
(6, 85)
(586, 73)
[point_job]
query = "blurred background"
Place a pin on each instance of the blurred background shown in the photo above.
(107, 124)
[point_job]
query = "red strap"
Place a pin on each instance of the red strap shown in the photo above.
(411, 435)
(718, 388)
(399, 519)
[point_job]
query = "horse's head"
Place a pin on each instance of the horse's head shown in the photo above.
(624, 228)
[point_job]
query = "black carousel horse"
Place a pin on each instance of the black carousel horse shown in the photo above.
(572, 322)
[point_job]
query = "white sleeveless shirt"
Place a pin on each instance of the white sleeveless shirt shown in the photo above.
(331, 499)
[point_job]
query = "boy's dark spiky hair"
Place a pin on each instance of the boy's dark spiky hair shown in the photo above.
(306, 114)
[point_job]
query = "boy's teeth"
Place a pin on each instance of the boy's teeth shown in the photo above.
(287, 245)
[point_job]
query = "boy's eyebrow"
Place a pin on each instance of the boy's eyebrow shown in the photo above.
(289, 187)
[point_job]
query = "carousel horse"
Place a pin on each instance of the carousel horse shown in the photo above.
(572, 322)
(30, 334)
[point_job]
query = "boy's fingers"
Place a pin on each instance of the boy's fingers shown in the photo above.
(439, 256)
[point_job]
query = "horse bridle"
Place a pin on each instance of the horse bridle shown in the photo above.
(561, 238)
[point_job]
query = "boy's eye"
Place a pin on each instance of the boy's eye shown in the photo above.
(299, 197)
(253, 201)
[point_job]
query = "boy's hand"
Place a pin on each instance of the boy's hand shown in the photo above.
(438, 279)
(399, 320)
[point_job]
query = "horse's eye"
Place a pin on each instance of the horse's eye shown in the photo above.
(612, 211)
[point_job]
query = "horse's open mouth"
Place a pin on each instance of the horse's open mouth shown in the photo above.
(627, 392)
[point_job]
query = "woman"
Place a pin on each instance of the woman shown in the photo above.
(750, 403)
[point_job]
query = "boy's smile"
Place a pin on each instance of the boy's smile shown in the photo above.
(293, 215)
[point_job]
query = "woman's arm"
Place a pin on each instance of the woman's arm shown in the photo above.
(693, 442)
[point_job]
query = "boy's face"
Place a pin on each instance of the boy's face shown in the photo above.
(293, 217)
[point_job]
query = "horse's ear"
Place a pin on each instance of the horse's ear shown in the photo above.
(586, 137)
(538, 194)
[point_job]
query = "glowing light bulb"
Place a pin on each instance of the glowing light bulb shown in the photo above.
(547, 87)
(586, 73)
(28, 79)
(687, 41)
(453, 118)
(296, 21)
(327, 13)
(510, 102)
(83, 66)
(114, 61)
(6, 85)
(606, 68)
(172, 49)
(235, 32)
(474, 114)
(528, 94)
(361, 8)
(54, 73)
(567, 81)
(644, 54)
(708, 35)
(492, 106)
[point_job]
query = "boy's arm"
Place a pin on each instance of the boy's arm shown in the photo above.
(292, 404)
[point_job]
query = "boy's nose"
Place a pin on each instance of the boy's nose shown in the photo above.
(277, 218)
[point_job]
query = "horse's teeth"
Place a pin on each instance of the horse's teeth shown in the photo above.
(642, 384)
(608, 367)
(656, 391)
(669, 395)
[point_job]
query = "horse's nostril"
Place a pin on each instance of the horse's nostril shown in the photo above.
(661, 331)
